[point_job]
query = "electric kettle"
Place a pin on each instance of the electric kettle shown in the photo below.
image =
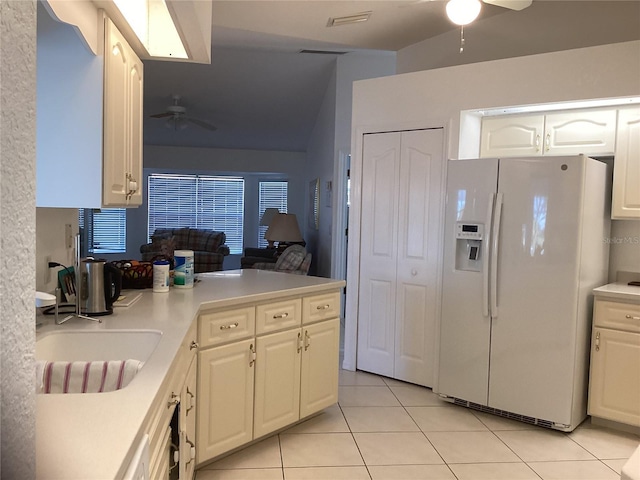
(100, 284)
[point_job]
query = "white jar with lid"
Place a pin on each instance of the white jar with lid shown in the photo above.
(161, 276)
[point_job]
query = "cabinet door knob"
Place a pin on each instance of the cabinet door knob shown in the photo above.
(194, 345)
(597, 341)
(174, 400)
(252, 355)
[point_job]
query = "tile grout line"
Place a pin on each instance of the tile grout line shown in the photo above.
(354, 440)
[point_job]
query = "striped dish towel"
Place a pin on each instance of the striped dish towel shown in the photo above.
(85, 377)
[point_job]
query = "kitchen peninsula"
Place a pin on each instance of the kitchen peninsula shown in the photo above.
(97, 435)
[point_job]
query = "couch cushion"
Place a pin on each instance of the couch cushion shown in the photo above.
(205, 240)
(291, 258)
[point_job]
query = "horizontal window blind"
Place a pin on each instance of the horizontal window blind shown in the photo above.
(272, 194)
(106, 229)
(213, 203)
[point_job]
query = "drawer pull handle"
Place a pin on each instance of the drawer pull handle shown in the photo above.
(597, 341)
(307, 340)
(631, 317)
(323, 307)
(194, 345)
(229, 327)
(281, 315)
(299, 342)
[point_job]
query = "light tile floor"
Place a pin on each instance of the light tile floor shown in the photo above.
(383, 429)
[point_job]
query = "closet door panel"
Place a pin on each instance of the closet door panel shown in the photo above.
(378, 252)
(419, 219)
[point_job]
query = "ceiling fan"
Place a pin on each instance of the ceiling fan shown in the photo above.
(463, 12)
(177, 118)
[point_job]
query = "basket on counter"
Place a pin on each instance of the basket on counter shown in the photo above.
(135, 274)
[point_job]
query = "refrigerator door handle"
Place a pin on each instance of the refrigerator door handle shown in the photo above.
(495, 240)
(485, 259)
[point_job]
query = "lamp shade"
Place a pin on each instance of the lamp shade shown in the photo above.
(463, 12)
(268, 215)
(284, 228)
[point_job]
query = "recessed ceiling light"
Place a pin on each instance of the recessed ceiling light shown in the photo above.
(348, 19)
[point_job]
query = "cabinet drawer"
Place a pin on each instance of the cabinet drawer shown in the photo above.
(320, 307)
(221, 327)
(278, 315)
(617, 315)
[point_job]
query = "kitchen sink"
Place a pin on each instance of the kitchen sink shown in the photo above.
(92, 345)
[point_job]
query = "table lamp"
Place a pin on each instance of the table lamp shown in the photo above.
(283, 228)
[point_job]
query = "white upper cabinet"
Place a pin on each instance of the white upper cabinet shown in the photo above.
(626, 168)
(89, 119)
(591, 132)
(123, 83)
(512, 136)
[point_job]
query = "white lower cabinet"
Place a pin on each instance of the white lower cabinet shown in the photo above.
(614, 384)
(252, 387)
(225, 394)
(277, 395)
(187, 424)
(319, 373)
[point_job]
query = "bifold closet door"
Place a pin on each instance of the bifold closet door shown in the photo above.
(400, 230)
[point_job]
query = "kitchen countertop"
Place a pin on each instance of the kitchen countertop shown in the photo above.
(95, 435)
(618, 291)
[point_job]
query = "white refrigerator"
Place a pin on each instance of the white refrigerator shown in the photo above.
(525, 243)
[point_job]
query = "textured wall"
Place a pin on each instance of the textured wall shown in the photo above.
(17, 229)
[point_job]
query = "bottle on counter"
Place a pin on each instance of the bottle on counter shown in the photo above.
(161, 276)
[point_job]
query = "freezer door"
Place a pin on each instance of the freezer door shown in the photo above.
(463, 368)
(533, 336)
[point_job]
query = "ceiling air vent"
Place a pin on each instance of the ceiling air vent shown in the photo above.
(348, 19)
(323, 52)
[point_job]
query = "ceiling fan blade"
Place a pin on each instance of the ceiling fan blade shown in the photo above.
(510, 4)
(161, 115)
(201, 123)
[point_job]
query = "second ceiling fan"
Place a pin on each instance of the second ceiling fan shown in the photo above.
(177, 118)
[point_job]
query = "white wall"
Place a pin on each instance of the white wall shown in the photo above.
(17, 227)
(320, 153)
(331, 135)
(437, 97)
(51, 244)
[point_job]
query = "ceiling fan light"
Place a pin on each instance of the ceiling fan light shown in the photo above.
(463, 12)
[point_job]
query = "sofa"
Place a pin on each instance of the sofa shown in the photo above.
(208, 247)
(254, 255)
(295, 259)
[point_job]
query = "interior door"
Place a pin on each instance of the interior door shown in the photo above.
(400, 245)
(378, 253)
(418, 246)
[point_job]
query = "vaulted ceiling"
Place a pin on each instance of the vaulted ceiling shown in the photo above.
(261, 93)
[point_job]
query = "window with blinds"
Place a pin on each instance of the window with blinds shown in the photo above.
(197, 201)
(271, 195)
(105, 230)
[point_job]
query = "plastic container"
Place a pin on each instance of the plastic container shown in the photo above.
(183, 271)
(161, 276)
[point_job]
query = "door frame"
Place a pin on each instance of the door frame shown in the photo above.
(355, 214)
